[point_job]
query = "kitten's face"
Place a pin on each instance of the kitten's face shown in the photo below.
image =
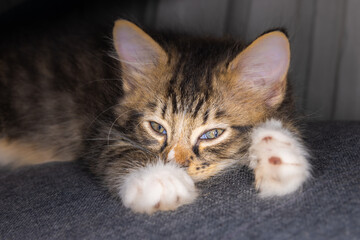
(193, 105)
(198, 128)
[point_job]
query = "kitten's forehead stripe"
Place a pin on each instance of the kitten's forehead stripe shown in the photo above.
(152, 106)
(174, 103)
(163, 110)
(198, 106)
(220, 113)
(206, 116)
(173, 79)
(190, 82)
(196, 80)
(193, 73)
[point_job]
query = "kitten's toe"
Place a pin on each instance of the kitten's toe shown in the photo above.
(279, 162)
(157, 187)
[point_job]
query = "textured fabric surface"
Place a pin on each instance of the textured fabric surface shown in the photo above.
(60, 201)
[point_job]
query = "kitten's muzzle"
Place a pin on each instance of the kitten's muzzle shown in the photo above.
(180, 155)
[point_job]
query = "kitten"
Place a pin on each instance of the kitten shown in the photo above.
(163, 113)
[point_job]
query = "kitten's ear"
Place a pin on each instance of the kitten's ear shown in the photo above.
(263, 66)
(136, 49)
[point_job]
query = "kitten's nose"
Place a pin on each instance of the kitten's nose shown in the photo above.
(181, 155)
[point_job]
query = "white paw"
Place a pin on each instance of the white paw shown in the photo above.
(157, 187)
(278, 159)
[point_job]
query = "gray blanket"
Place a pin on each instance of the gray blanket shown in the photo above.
(61, 201)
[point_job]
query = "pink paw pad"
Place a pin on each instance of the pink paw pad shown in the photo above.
(267, 139)
(275, 160)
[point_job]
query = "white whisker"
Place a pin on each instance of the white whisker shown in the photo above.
(92, 122)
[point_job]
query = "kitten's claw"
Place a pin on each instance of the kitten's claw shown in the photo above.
(157, 187)
(278, 159)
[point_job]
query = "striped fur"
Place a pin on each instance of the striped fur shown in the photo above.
(76, 104)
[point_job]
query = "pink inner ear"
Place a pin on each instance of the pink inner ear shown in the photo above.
(266, 60)
(125, 45)
(130, 46)
(134, 47)
(137, 52)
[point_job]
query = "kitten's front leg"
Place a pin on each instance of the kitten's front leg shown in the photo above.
(278, 158)
(148, 186)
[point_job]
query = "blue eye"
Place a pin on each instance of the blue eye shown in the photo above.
(212, 134)
(158, 128)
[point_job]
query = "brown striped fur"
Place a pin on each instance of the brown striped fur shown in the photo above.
(78, 103)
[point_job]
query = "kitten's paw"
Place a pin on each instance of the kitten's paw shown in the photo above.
(278, 159)
(157, 187)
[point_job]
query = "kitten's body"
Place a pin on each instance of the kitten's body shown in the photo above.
(51, 89)
(72, 103)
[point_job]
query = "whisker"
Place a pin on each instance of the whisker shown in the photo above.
(92, 122)
(101, 139)
(103, 79)
(112, 125)
(128, 62)
(124, 137)
(102, 61)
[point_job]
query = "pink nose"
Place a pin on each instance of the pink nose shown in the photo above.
(182, 155)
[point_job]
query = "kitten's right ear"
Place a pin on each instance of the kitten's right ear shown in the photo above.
(136, 50)
(263, 67)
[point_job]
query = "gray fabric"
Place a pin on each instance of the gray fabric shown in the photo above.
(60, 201)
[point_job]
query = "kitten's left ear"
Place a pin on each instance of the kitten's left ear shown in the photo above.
(264, 65)
(136, 49)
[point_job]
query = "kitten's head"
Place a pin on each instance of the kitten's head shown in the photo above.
(194, 101)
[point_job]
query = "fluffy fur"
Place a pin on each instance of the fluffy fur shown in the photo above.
(157, 186)
(278, 159)
(73, 101)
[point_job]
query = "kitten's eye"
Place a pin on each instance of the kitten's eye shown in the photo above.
(212, 134)
(158, 128)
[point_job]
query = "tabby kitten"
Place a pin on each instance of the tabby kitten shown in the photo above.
(184, 110)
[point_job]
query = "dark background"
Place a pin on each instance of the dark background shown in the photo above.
(324, 35)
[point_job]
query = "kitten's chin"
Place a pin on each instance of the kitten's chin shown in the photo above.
(157, 187)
